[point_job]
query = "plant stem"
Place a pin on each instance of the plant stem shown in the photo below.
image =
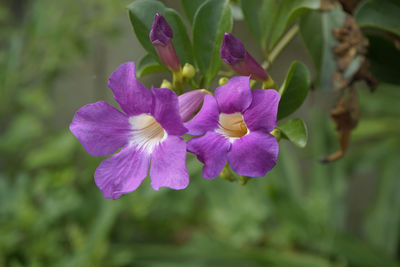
(283, 42)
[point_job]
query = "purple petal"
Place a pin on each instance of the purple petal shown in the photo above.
(160, 33)
(166, 111)
(207, 118)
(190, 102)
(212, 150)
(130, 94)
(235, 96)
(232, 50)
(254, 154)
(168, 164)
(263, 110)
(122, 173)
(100, 128)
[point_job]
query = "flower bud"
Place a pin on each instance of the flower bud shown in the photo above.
(160, 36)
(190, 102)
(188, 71)
(166, 84)
(234, 54)
(223, 81)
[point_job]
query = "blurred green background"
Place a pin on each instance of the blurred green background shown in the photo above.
(56, 56)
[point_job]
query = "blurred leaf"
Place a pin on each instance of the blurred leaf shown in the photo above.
(190, 7)
(148, 65)
(212, 20)
(49, 154)
(141, 13)
(384, 59)
(383, 15)
(23, 130)
(382, 223)
(316, 30)
(295, 131)
(294, 89)
(276, 17)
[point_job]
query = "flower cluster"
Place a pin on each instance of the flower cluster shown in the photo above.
(232, 126)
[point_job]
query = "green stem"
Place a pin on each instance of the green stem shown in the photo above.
(283, 42)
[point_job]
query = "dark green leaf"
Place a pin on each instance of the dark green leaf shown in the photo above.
(384, 59)
(148, 65)
(277, 17)
(211, 21)
(294, 90)
(316, 30)
(383, 15)
(141, 13)
(295, 131)
(190, 7)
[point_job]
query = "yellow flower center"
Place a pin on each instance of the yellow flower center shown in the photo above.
(232, 126)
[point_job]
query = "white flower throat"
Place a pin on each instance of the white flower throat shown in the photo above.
(147, 133)
(232, 126)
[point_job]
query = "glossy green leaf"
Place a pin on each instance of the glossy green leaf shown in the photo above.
(148, 65)
(295, 130)
(316, 30)
(383, 15)
(190, 7)
(211, 21)
(294, 90)
(276, 17)
(141, 13)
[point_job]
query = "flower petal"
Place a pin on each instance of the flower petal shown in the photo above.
(206, 119)
(235, 96)
(130, 94)
(100, 128)
(166, 111)
(168, 164)
(122, 173)
(254, 154)
(190, 102)
(263, 110)
(212, 150)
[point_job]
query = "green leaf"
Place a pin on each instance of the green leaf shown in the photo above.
(383, 15)
(276, 17)
(316, 30)
(251, 11)
(148, 65)
(211, 21)
(384, 59)
(190, 7)
(141, 13)
(294, 89)
(295, 131)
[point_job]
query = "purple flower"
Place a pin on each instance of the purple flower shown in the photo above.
(160, 36)
(236, 124)
(150, 129)
(234, 54)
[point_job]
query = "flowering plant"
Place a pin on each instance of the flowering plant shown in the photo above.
(232, 130)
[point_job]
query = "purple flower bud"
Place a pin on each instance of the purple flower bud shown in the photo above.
(160, 36)
(190, 102)
(234, 54)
